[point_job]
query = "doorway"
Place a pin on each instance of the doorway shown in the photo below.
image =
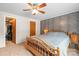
(32, 28)
(10, 24)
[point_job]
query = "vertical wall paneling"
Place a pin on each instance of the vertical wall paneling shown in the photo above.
(66, 23)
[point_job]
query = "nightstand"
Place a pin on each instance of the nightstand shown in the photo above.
(74, 41)
(78, 46)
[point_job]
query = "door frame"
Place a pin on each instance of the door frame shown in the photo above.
(35, 27)
(13, 29)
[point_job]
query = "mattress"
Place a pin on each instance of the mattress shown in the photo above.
(54, 40)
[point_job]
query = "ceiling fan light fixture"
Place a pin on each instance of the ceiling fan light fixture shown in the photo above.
(34, 12)
(35, 8)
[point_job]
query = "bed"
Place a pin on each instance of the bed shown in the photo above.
(50, 44)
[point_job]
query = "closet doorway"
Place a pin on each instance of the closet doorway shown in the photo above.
(10, 29)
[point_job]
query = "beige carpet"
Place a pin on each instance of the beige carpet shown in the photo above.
(73, 52)
(12, 49)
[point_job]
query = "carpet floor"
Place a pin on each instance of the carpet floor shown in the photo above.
(12, 49)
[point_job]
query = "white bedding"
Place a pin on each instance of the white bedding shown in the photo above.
(56, 39)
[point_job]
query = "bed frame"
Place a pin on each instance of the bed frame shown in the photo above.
(39, 48)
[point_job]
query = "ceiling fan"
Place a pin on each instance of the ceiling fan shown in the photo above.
(36, 8)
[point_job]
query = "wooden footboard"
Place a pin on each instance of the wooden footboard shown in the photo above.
(39, 48)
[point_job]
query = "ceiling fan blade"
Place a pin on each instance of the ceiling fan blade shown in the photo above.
(43, 12)
(42, 5)
(30, 4)
(26, 9)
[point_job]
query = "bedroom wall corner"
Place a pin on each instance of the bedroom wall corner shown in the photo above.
(2, 32)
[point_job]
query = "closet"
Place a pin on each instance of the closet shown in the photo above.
(10, 29)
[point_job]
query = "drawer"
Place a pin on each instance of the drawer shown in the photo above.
(78, 46)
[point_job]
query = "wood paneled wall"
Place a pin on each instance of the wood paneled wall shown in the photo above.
(66, 23)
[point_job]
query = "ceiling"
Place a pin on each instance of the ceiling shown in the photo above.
(52, 9)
